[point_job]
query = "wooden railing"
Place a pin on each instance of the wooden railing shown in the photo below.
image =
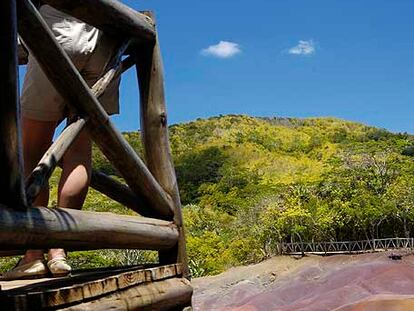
(346, 247)
(150, 189)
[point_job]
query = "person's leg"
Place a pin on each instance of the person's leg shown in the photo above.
(37, 137)
(74, 181)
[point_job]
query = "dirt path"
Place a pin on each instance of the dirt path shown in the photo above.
(345, 282)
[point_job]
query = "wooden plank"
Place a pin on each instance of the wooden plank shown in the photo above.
(40, 300)
(132, 278)
(81, 286)
(170, 294)
(155, 137)
(161, 273)
(77, 277)
(95, 288)
(64, 76)
(11, 158)
(109, 15)
(40, 228)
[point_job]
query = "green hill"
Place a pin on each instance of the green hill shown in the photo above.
(248, 184)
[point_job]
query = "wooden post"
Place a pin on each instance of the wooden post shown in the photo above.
(11, 157)
(154, 130)
(67, 80)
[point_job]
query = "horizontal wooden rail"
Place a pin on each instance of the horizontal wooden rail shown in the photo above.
(64, 76)
(42, 228)
(109, 15)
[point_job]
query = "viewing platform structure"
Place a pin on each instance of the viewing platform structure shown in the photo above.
(151, 187)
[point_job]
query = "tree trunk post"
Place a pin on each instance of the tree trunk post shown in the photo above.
(11, 157)
(154, 131)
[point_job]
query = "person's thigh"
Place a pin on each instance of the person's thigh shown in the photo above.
(37, 137)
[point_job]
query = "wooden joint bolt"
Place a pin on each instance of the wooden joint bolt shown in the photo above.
(163, 119)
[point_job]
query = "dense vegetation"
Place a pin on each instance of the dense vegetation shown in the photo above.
(248, 184)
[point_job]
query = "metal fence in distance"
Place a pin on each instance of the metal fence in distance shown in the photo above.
(344, 247)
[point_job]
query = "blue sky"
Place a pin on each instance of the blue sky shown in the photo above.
(349, 59)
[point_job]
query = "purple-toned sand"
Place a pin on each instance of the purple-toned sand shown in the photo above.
(343, 283)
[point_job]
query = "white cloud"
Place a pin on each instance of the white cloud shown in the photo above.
(223, 49)
(303, 48)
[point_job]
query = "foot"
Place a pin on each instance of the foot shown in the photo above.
(26, 270)
(59, 267)
(57, 263)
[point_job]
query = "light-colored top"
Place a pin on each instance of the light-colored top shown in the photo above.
(75, 36)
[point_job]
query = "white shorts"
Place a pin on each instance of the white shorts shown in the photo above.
(90, 51)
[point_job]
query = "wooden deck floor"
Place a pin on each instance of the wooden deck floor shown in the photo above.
(127, 288)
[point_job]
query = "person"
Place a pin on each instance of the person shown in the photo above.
(43, 109)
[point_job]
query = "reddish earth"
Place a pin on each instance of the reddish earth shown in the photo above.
(369, 282)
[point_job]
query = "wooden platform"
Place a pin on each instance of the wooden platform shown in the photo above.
(128, 288)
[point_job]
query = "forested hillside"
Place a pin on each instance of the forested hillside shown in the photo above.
(249, 183)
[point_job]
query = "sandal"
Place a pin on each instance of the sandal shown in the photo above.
(59, 267)
(31, 270)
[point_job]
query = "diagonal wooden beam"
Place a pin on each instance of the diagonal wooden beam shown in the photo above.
(64, 76)
(11, 158)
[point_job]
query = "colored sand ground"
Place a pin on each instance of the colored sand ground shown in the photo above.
(342, 283)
